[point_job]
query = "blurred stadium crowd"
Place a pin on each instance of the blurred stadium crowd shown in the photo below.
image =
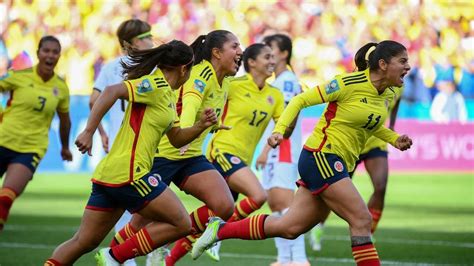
(438, 34)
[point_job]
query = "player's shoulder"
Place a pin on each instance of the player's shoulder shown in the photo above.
(352, 78)
(26, 71)
(239, 79)
(202, 71)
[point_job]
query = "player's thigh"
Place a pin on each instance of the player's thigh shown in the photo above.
(165, 208)
(377, 167)
(305, 211)
(343, 198)
(245, 181)
(17, 177)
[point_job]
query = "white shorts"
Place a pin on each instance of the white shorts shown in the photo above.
(280, 175)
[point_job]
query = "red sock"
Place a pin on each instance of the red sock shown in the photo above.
(137, 245)
(376, 215)
(52, 262)
(243, 209)
(366, 255)
(248, 228)
(7, 196)
(121, 236)
(181, 248)
(199, 218)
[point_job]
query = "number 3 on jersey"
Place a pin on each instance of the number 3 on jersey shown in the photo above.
(369, 120)
(42, 103)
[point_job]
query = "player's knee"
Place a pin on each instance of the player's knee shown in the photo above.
(184, 225)
(86, 243)
(291, 232)
(363, 221)
(224, 210)
(380, 188)
(260, 198)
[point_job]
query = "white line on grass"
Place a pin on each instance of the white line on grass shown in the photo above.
(235, 255)
(72, 229)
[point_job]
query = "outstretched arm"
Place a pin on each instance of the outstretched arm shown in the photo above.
(64, 130)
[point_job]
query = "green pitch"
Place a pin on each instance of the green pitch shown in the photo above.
(428, 220)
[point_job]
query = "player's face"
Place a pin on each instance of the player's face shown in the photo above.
(143, 43)
(264, 64)
(397, 68)
(230, 55)
(279, 55)
(48, 55)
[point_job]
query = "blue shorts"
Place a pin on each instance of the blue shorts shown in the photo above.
(178, 171)
(7, 156)
(227, 164)
(319, 170)
(373, 153)
(132, 197)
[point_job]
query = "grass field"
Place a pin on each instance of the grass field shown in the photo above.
(429, 220)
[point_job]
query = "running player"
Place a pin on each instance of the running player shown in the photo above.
(374, 155)
(251, 105)
(217, 56)
(280, 164)
(132, 33)
(330, 154)
(35, 95)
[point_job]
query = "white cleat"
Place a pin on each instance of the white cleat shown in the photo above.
(208, 238)
(157, 256)
(213, 252)
(104, 258)
(315, 238)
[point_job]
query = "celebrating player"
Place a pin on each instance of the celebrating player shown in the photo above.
(123, 180)
(357, 108)
(35, 95)
(251, 104)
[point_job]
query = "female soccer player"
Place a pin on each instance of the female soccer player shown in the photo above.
(123, 180)
(251, 105)
(280, 170)
(374, 155)
(357, 108)
(217, 56)
(132, 33)
(35, 95)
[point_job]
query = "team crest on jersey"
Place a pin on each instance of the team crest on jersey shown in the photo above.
(144, 86)
(153, 180)
(55, 91)
(333, 86)
(235, 160)
(199, 85)
(288, 86)
(270, 100)
(338, 166)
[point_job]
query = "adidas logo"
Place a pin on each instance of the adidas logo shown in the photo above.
(211, 95)
(247, 95)
(363, 100)
(138, 169)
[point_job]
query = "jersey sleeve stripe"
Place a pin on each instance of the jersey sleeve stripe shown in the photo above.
(194, 93)
(355, 82)
(351, 77)
(204, 70)
(320, 94)
(132, 96)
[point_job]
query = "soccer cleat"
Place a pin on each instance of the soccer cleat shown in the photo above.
(104, 258)
(208, 238)
(213, 252)
(157, 256)
(315, 238)
(306, 263)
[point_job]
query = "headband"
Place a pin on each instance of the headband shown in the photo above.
(143, 35)
(371, 49)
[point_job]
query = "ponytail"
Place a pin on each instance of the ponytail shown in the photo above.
(368, 56)
(166, 56)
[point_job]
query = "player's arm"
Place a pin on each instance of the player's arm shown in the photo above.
(64, 130)
(303, 100)
(103, 135)
(179, 137)
(103, 103)
(393, 115)
(402, 142)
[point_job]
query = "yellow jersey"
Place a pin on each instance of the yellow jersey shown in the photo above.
(355, 111)
(374, 142)
(151, 112)
(202, 90)
(30, 109)
(248, 111)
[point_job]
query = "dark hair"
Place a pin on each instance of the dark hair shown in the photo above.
(48, 38)
(384, 50)
(130, 29)
(166, 56)
(204, 44)
(282, 41)
(252, 52)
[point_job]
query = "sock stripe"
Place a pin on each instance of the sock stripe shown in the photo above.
(368, 253)
(356, 252)
(129, 231)
(119, 239)
(357, 260)
(8, 192)
(146, 247)
(200, 226)
(52, 262)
